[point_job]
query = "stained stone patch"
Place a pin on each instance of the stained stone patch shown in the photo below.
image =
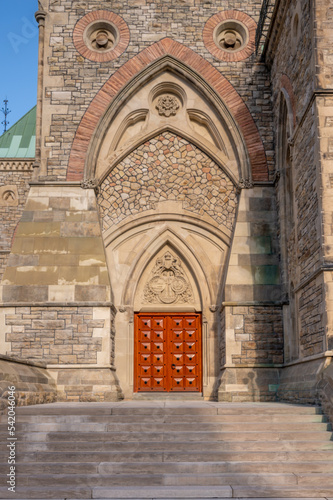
(167, 168)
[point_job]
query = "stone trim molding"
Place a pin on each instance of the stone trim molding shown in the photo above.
(287, 86)
(96, 17)
(212, 25)
(16, 165)
(125, 74)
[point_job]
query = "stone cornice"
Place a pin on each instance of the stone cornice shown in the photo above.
(16, 164)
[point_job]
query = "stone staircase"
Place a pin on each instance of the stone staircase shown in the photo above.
(169, 450)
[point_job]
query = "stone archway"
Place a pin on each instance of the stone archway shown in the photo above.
(146, 213)
(146, 62)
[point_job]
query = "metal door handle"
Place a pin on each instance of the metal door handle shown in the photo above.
(173, 366)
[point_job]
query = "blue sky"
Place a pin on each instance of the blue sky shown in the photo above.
(18, 57)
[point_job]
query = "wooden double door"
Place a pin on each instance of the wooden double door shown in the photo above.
(167, 352)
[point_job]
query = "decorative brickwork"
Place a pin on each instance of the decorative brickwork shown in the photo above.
(167, 168)
(97, 18)
(209, 36)
(64, 335)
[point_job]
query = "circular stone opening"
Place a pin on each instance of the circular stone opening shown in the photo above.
(101, 36)
(231, 36)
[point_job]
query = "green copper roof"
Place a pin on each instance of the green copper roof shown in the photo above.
(19, 140)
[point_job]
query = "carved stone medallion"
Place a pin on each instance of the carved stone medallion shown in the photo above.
(168, 282)
(167, 105)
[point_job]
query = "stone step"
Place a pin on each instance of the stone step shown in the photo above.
(130, 408)
(109, 468)
(270, 492)
(45, 493)
(166, 419)
(161, 479)
(193, 456)
(181, 450)
(219, 467)
(201, 436)
(168, 492)
(167, 428)
(218, 492)
(185, 446)
(274, 480)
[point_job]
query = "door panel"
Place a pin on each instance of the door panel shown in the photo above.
(167, 353)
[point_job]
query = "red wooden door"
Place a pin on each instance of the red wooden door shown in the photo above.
(167, 352)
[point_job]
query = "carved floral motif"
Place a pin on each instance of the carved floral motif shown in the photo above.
(168, 282)
(167, 105)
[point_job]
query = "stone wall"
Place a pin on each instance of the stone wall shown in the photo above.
(311, 309)
(167, 168)
(33, 384)
(3, 261)
(253, 349)
(14, 188)
(259, 331)
(291, 54)
(57, 335)
(73, 81)
(57, 254)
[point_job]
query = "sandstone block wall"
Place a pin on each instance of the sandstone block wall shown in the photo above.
(57, 254)
(291, 54)
(14, 188)
(57, 335)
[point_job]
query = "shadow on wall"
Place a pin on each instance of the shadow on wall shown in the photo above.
(32, 382)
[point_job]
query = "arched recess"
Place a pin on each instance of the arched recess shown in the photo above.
(132, 252)
(287, 203)
(194, 67)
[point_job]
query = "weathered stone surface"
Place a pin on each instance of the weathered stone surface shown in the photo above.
(152, 174)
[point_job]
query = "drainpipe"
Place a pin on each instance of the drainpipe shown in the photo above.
(40, 18)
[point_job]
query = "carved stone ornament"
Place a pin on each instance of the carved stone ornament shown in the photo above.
(89, 184)
(246, 184)
(168, 283)
(167, 105)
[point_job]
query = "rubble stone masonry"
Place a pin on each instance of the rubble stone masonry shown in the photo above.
(167, 168)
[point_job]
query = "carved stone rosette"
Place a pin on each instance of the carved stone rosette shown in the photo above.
(167, 105)
(168, 283)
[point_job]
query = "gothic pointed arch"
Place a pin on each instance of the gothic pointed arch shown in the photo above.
(183, 60)
(192, 270)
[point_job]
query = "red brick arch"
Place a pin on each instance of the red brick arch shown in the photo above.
(133, 67)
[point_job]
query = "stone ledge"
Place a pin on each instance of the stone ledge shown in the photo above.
(22, 361)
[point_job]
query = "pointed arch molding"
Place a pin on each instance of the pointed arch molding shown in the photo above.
(138, 63)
